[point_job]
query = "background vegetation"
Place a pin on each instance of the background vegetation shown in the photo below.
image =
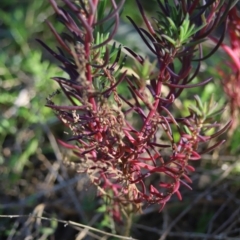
(33, 179)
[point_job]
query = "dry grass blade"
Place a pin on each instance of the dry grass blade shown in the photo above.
(188, 235)
(70, 223)
(186, 210)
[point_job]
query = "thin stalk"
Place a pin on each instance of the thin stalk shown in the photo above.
(128, 213)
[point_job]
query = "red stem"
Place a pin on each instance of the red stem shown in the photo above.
(193, 6)
(88, 52)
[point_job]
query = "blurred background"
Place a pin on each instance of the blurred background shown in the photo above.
(32, 176)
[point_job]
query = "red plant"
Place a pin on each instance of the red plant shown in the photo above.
(119, 156)
(231, 81)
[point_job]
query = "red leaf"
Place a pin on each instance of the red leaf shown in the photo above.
(179, 195)
(195, 156)
(190, 168)
(176, 186)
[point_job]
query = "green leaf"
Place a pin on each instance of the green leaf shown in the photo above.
(181, 34)
(198, 102)
(195, 110)
(172, 24)
(186, 24)
(102, 5)
(173, 42)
